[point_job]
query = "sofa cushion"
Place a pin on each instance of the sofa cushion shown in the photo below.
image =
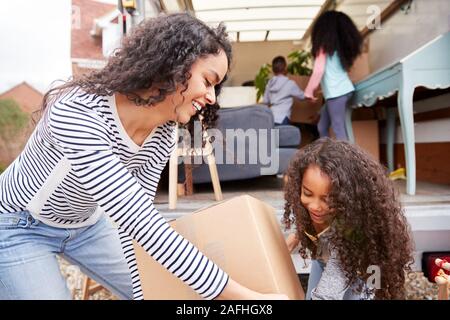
(289, 136)
(256, 116)
(242, 154)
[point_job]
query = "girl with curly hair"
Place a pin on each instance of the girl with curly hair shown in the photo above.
(349, 220)
(98, 152)
(336, 43)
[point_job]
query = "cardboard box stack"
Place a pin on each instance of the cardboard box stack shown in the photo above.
(243, 237)
(367, 136)
(305, 111)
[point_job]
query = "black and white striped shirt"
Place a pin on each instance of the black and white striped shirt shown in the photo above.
(80, 163)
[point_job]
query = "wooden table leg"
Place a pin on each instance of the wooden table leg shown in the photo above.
(189, 180)
(89, 287)
(214, 177)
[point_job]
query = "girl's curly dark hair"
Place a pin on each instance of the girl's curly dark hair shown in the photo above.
(369, 227)
(335, 31)
(158, 54)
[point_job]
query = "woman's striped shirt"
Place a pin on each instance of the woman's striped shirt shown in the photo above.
(79, 163)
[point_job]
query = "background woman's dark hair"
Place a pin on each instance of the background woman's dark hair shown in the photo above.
(369, 227)
(335, 31)
(159, 54)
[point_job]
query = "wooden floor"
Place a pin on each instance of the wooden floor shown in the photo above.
(269, 189)
(428, 212)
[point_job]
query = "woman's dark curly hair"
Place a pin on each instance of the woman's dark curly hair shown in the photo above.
(369, 227)
(158, 54)
(335, 31)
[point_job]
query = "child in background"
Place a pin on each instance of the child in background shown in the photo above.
(347, 214)
(280, 91)
(336, 42)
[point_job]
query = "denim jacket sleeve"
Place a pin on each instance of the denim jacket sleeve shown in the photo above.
(333, 283)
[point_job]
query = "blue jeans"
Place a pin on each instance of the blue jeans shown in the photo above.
(29, 268)
(284, 122)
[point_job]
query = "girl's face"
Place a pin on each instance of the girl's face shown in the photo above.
(206, 73)
(314, 194)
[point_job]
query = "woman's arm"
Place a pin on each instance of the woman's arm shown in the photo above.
(316, 77)
(235, 291)
(81, 137)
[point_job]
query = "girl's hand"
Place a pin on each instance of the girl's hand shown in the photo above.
(310, 96)
(292, 241)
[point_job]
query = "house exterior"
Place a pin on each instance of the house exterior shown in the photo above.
(89, 18)
(29, 100)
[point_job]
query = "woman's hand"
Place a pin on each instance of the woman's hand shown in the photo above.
(273, 296)
(236, 291)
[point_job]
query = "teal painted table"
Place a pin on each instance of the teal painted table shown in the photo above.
(428, 66)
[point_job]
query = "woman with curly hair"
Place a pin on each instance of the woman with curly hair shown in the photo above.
(349, 220)
(336, 43)
(98, 151)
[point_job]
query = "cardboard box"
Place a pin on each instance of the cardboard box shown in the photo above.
(305, 111)
(243, 237)
(361, 66)
(366, 135)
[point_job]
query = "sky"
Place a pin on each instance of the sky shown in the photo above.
(34, 42)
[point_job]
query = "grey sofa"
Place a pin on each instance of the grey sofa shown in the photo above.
(267, 148)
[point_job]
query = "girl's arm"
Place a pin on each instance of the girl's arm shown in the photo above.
(292, 241)
(316, 77)
(332, 284)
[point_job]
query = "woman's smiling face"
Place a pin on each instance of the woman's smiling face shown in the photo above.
(206, 73)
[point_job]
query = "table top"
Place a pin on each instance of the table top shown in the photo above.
(428, 66)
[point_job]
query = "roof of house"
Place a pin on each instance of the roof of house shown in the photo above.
(85, 12)
(28, 98)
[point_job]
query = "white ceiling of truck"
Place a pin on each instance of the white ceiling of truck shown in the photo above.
(271, 20)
